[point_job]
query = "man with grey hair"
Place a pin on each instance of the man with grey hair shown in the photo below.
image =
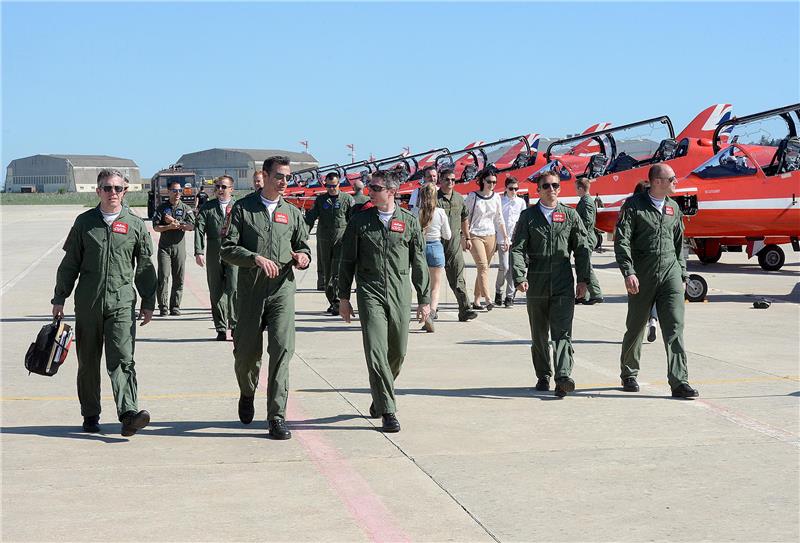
(107, 251)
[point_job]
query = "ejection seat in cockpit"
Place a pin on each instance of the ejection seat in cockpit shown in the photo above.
(596, 166)
(787, 157)
(469, 173)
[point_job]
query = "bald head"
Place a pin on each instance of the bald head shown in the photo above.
(660, 170)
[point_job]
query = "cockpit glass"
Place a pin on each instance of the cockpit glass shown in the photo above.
(553, 166)
(729, 162)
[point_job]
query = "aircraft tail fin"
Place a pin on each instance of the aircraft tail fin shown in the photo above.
(590, 146)
(706, 122)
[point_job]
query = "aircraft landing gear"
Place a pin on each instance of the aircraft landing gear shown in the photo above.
(771, 258)
(696, 288)
(708, 251)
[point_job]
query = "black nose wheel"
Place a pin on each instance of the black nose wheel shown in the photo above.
(696, 288)
(771, 258)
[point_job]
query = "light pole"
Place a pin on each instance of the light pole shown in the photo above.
(352, 147)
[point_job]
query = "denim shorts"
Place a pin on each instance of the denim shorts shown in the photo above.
(434, 254)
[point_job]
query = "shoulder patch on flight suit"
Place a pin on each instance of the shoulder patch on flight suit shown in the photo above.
(119, 227)
(397, 226)
(282, 218)
(558, 216)
(669, 211)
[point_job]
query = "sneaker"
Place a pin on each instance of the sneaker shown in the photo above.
(478, 307)
(428, 325)
(489, 306)
(466, 315)
(279, 430)
(91, 425)
(509, 302)
(498, 299)
(162, 312)
(651, 331)
(132, 422)
(176, 311)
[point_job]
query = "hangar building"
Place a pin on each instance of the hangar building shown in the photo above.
(72, 173)
(239, 163)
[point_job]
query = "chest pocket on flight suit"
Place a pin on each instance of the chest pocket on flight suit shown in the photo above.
(282, 228)
(120, 263)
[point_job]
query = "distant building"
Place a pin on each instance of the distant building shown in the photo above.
(239, 163)
(68, 173)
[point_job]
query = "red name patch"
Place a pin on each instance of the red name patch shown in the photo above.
(282, 218)
(119, 227)
(397, 226)
(668, 210)
(558, 217)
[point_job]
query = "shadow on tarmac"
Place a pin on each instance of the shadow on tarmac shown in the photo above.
(187, 429)
(528, 342)
(494, 393)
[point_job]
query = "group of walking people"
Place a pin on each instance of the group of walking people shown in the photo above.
(250, 248)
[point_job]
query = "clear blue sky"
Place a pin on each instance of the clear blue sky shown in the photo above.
(153, 81)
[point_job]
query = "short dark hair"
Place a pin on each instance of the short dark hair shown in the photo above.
(273, 161)
(224, 177)
(427, 169)
(446, 171)
(511, 179)
(174, 182)
(583, 183)
(547, 173)
(331, 175)
(486, 172)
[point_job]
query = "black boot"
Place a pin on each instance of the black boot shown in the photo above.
(132, 422)
(390, 423)
(683, 390)
(629, 384)
(543, 384)
(279, 430)
(91, 425)
(247, 410)
(564, 386)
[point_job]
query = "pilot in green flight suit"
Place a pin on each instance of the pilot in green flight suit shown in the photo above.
(648, 244)
(107, 251)
(379, 245)
(266, 237)
(333, 209)
(548, 233)
(221, 276)
(588, 211)
(359, 198)
(172, 220)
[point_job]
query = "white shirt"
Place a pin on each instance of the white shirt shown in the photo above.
(224, 205)
(658, 203)
(439, 227)
(512, 208)
(271, 205)
(110, 217)
(485, 214)
(384, 216)
(547, 212)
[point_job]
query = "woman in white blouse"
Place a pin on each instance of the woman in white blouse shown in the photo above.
(436, 227)
(485, 218)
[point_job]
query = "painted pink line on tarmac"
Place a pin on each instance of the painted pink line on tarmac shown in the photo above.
(367, 509)
(750, 423)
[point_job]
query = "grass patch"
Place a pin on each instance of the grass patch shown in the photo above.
(85, 199)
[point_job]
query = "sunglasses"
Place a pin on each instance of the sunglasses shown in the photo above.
(327, 186)
(490, 182)
(114, 188)
(554, 186)
(377, 188)
(512, 188)
(282, 177)
(671, 179)
(174, 191)
(222, 187)
(449, 180)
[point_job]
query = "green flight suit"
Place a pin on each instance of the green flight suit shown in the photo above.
(588, 212)
(333, 214)
(264, 302)
(221, 276)
(107, 261)
(551, 286)
(456, 212)
(360, 199)
(649, 244)
(171, 254)
(379, 258)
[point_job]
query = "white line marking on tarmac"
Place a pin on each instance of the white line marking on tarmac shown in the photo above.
(12, 282)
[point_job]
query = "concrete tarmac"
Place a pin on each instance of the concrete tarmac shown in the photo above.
(481, 456)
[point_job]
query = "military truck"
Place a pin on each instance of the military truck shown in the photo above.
(159, 187)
